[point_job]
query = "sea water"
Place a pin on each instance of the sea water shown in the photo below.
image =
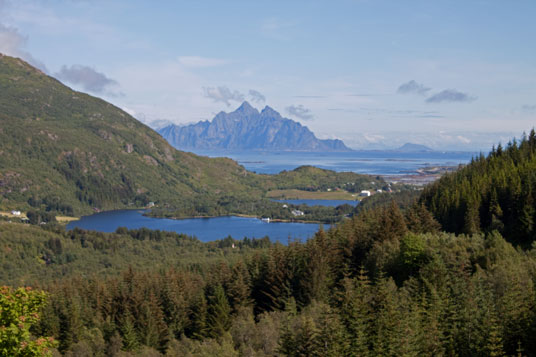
(362, 162)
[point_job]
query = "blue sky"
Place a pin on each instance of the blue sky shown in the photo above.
(448, 74)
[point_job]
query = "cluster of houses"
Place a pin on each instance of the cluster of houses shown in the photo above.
(295, 212)
(363, 193)
(367, 193)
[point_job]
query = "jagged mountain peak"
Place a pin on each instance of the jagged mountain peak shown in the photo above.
(247, 129)
(270, 112)
(246, 109)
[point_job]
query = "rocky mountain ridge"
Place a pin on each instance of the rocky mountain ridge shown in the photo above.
(248, 129)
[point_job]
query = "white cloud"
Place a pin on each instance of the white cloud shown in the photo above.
(88, 78)
(413, 87)
(256, 96)
(300, 111)
(223, 94)
(450, 95)
(12, 43)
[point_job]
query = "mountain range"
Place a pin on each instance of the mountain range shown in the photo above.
(248, 129)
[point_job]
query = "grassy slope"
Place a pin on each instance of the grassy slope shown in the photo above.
(83, 151)
(294, 194)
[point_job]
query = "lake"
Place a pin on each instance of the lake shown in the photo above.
(209, 229)
(205, 229)
(362, 162)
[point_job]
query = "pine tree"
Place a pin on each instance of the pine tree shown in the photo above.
(238, 288)
(356, 313)
(273, 284)
(494, 343)
(471, 218)
(495, 211)
(318, 276)
(333, 340)
(218, 312)
(420, 220)
(129, 333)
(153, 330)
(197, 326)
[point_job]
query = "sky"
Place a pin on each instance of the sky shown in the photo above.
(452, 75)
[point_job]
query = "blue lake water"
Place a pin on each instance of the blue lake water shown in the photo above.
(209, 229)
(329, 203)
(205, 229)
(363, 162)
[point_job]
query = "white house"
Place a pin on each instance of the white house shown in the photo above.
(297, 212)
(365, 193)
(15, 213)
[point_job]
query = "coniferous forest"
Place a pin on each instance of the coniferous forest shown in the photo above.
(451, 274)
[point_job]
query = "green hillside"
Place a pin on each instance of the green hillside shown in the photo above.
(72, 151)
(312, 178)
(497, 192)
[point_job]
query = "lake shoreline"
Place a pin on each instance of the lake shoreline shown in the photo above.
(274, 220)
(206, 230)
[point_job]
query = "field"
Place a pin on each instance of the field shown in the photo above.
(11, 215)
(66, 219)
(294, 194)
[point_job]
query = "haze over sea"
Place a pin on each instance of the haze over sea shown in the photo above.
(362, 162)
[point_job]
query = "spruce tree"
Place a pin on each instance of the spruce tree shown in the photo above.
(129, 333)
(218, 312)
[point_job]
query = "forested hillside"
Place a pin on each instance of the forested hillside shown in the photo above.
(383, 283)
(494, 192)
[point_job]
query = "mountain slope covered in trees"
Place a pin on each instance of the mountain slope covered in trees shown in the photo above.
(497, 192)
(383, 283)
